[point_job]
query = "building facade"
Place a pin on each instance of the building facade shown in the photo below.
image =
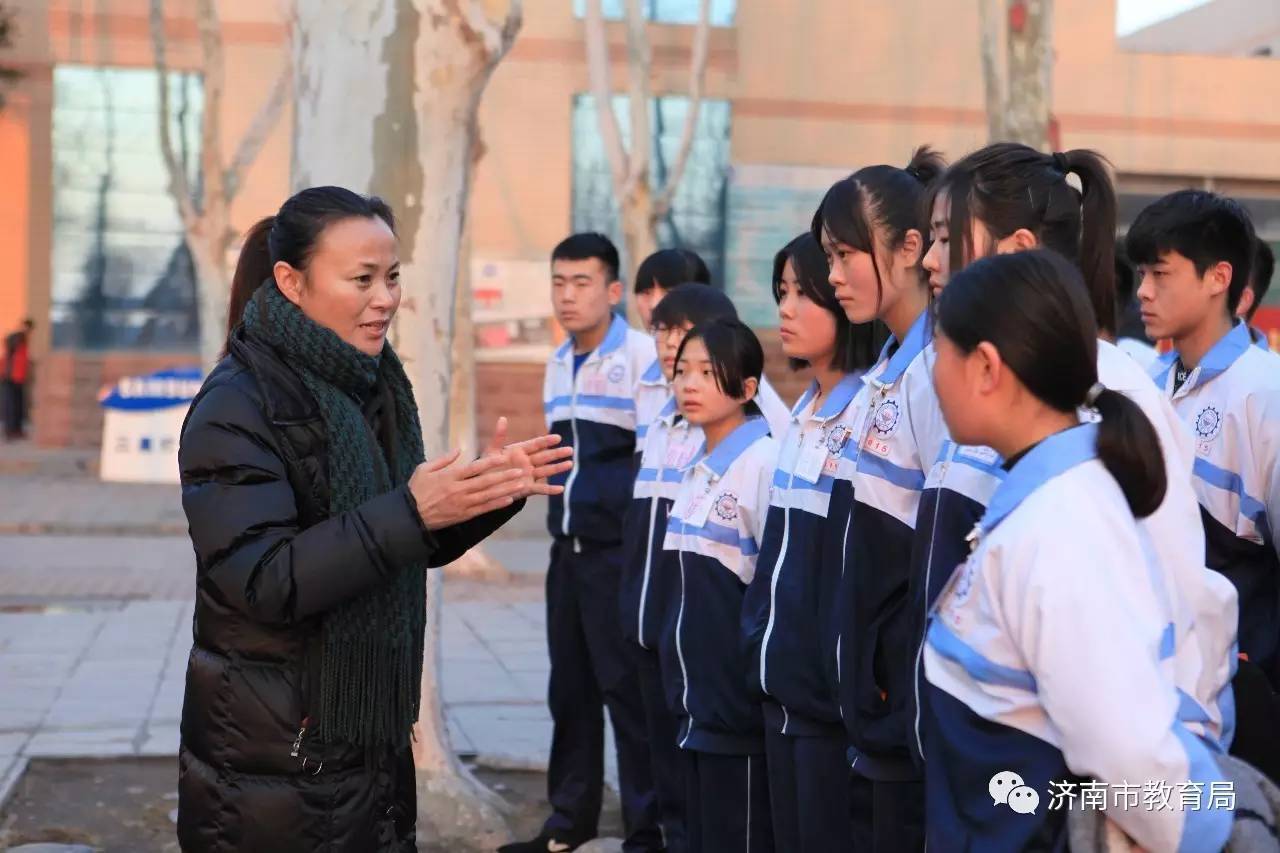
(796, 96)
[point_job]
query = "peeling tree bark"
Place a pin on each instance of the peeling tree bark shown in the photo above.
(1018, 92)
(397, 116)
(206, 217)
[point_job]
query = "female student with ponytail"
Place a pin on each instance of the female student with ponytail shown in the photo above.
(1044, 658)
(788, 604)
(872, 230)
(1008, 198)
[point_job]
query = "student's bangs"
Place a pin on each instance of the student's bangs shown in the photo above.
(733, 350)
(842, 217)
(809, 263)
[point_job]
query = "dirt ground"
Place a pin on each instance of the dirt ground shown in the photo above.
(125, 805)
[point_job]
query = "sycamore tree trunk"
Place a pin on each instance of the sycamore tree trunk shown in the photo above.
(1018, 91)
(387, 102)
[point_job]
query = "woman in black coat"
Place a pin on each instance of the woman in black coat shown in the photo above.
(313, 517)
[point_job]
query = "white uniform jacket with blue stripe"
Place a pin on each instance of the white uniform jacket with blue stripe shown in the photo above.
(1201, 606)
(1231, 401)
(899, 434)
(713, 539)
(788, 609)
(672, 444)
(595, 413)
(1045, 657)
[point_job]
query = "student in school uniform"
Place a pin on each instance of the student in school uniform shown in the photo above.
(1260, 272)
(589, 400)
(1044, 657)
(872, 228)
(658, 275)
(1009, 198)
(788, 603)
(712, 541)
(671, 445)
(1193, 250)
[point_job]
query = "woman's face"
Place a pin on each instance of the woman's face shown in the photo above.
(699, 396)
(668, 340)
(853, 275)
(937, 261)
(351, 285)
(808, 330)
(959, 379)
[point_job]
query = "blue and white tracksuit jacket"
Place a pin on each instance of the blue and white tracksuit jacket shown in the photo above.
(1201, 608)
(671, 445)
(595, 413)
(787, 614)
(712, 541)
(1045, 658)
(1231, 401)
(658, 475)
(899, 433)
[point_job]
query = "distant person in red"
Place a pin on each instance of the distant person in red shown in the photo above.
(16, 375)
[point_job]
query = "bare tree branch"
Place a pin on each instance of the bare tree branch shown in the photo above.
(210, 30)
(497, 38)
(602, 89)
(259, 129)
(639, 61)
(179, 187)
(991, 18)
(697, 80)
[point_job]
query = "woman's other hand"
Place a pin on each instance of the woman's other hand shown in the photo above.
(448, 492)
(538, 459)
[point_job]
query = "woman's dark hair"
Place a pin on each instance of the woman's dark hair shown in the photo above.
(883, 198)
(857, 345)
(1034, 308)
(291, 236)
(734, 351)
(666, 268)
(1007, 186)
(692, 303)
(1203, 227)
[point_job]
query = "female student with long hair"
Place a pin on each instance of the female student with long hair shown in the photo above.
(1008, 198)
(712, 540)
(789, 599)
(872, 230)
(1044, 658)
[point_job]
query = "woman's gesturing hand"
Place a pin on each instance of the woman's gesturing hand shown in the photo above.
(537, 459)
(448, 492)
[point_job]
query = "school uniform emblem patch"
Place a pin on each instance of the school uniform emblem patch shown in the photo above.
(616, 373)
(726, 506)
(1208, 423)
(838, 438)
(886, 419)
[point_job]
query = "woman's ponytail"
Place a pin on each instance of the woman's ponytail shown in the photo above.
(1129, 447)
(1097, 232)
(252, 268)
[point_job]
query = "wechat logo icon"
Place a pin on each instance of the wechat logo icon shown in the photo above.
(1008, 789)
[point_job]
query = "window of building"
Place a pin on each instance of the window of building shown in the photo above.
(698, 211)
(665, 11)
(122, 276)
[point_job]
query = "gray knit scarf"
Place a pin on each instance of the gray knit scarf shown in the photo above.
(371, 660)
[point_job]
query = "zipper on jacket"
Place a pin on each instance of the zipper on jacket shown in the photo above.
(928, 573)
(297, 742)
(648, 554)
(684, 671)
(577, 459)
(777, 568)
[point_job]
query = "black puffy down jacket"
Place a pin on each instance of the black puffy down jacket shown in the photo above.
(269, 565)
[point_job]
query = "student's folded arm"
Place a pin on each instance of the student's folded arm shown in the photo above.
(1090, 637)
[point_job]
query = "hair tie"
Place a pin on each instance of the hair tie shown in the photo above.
(1094, 392)
(913, 172)
(1060, 162)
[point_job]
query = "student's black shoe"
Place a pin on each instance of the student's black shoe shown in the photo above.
(542, 844)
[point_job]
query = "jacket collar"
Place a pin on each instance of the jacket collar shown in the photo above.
(837, 401)
(1051, 457)
(735, 443)
(913, 343)
(613, 340)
